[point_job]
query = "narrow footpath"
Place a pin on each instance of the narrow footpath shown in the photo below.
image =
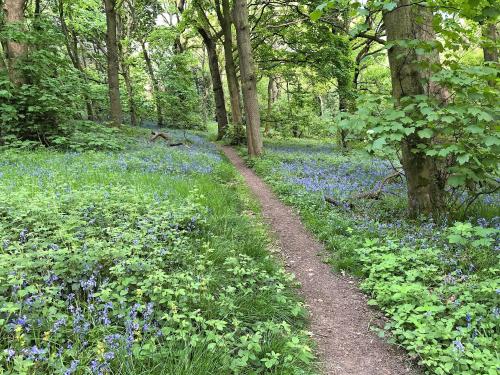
(340, 317)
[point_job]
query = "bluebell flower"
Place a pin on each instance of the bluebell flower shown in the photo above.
(72, 368)
(23, 236)
(10, 353)
(458, 346)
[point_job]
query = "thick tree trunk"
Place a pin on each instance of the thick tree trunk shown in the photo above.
(213, 63)
(15, 51)
(225, 20)
(154, 83)
(410, 77)
(113, 66)
(248, 78)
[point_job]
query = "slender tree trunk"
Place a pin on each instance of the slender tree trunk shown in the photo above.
(225, 20)
(126, 75)
(490, 52)
(113, 66)
(213, 62)
(345, 106)
(409, 77)
(15, 51)
(321, 103)
(154, 82)
(248, 78)
(72, 47)
(272, 95)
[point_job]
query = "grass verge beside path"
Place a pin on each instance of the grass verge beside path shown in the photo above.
(437, 282)
(141, 261)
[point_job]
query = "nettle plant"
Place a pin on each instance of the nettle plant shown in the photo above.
(459, 132)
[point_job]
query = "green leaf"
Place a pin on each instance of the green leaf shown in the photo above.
(491, 140)
(464, 158)
(425, 133)
(379, 143)
(456, 180)
(390, 6)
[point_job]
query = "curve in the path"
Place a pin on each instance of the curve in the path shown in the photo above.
(340, 317)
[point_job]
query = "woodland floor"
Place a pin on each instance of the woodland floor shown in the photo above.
(340, 317)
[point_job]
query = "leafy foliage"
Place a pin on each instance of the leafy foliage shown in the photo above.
(138, 260)
(437, 282)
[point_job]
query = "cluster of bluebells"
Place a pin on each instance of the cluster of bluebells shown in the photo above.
(321, 171)
(80, 321)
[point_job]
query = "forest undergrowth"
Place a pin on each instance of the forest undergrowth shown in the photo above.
(437, 281)
(140, 261)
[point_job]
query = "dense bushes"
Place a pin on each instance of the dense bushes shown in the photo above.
(50, 95)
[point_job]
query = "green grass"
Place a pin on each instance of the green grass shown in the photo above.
(142, 261)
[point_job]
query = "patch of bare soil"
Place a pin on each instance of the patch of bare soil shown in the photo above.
(340, 317)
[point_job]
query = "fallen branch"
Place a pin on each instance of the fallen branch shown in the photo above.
(376, 193)
(166, 137)
(367, 195)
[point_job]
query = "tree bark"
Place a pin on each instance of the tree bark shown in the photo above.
(126, 75)
(345, 106)
(213, 63)
(490, 52)
(225, 20)
(272, 95)
(248, 78)
(72, 47)
(113, 65)
(15, 51)
(410, 77)
(154, 82)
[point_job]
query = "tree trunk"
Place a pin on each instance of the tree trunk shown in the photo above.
(410, 77)
(72, 47)
(248, 78)
(213, 63)
(225, 20)
(345, 106)
(126, 75)
(154, 82)
(272, 95)
(113, 66)
(490, 52)
(15, 51)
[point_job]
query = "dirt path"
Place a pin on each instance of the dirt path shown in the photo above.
(340, 318)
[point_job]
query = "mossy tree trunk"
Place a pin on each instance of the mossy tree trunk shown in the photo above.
(113, 65)
(15, 50)
(248, 78)
(410, 75)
